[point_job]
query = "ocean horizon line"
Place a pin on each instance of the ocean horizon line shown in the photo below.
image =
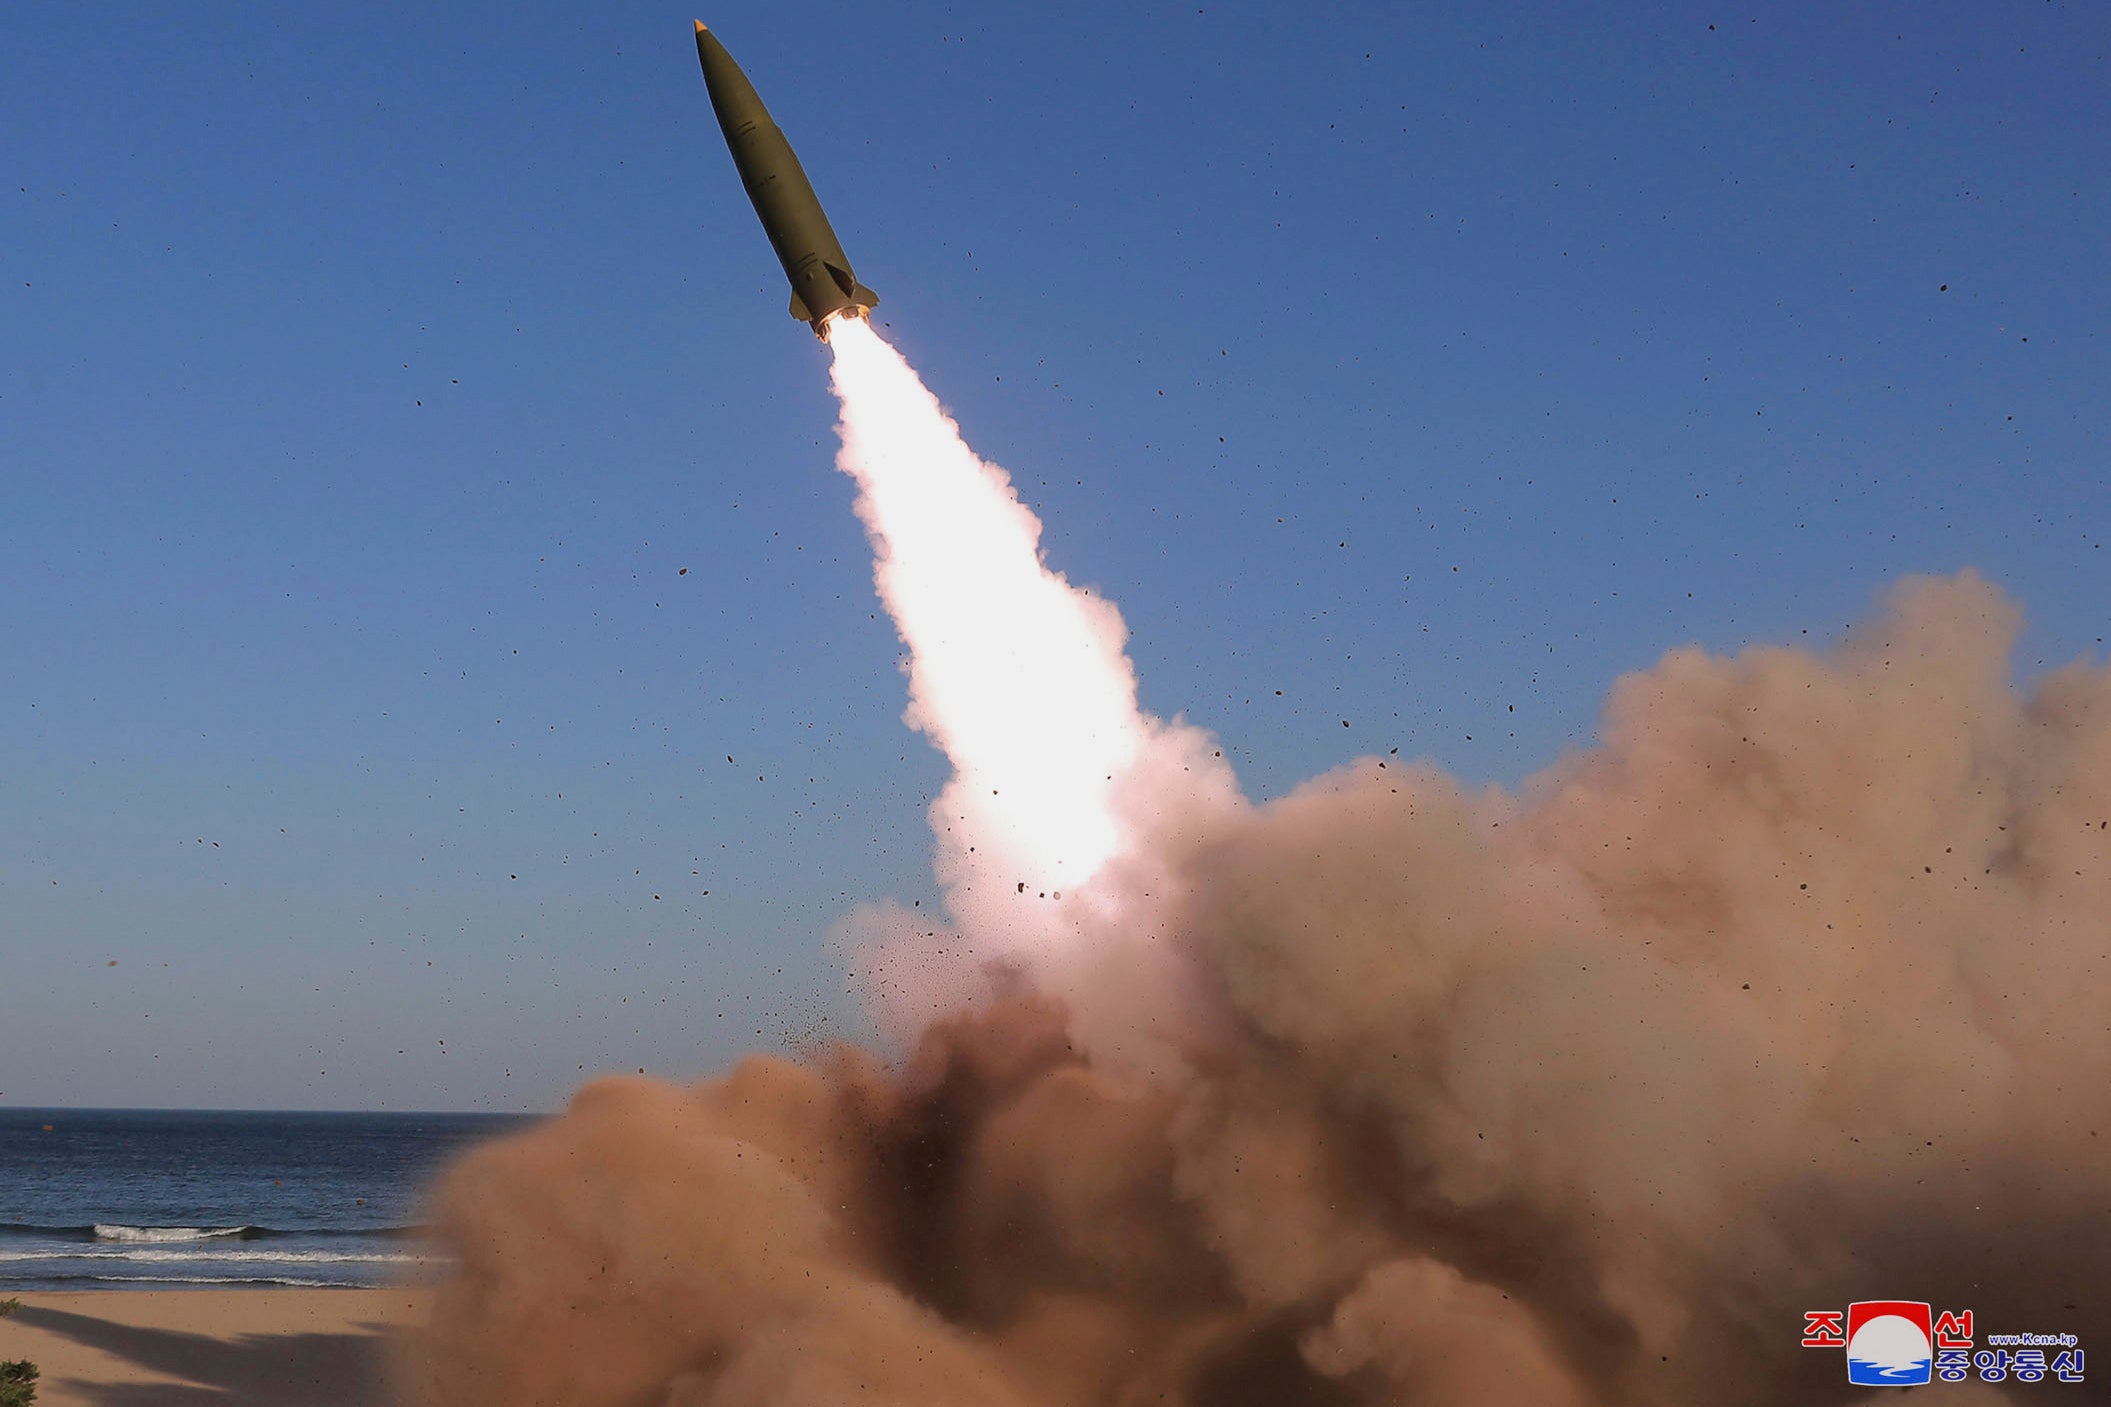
(7, 1109)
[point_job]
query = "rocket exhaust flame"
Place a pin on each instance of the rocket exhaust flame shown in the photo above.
(1790, 992)
(1017, 675)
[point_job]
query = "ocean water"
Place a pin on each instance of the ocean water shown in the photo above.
(155, 1199)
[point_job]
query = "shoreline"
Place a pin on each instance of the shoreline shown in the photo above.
(202, 1346)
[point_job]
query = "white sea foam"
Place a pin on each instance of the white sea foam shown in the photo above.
(105, 1232)
(234, 1257)
(291, 1280)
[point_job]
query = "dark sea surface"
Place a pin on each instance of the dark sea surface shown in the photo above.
(117, 1198)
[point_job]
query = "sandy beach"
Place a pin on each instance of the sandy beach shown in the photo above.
(210, 1348)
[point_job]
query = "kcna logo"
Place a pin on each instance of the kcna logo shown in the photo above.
(1889, 1343)
(1902, 1343)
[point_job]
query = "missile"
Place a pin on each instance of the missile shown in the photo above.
(823, 287)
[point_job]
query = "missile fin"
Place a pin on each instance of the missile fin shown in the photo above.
(799, 308)
(865, 296)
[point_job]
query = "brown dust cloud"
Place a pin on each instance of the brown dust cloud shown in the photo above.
(1791, 991)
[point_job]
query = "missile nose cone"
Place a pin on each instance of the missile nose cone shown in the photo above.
(719, 68)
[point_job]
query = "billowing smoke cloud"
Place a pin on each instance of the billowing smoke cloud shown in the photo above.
(1794, 991)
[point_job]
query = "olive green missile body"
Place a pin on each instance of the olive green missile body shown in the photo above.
(823, 286)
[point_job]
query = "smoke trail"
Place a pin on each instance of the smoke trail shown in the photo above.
(1789, 993)
(1019, 678)
(1016, 674)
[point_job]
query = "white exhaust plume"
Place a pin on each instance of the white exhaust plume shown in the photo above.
(1016, 674)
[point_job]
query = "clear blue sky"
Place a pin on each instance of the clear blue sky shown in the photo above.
(368, 376)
